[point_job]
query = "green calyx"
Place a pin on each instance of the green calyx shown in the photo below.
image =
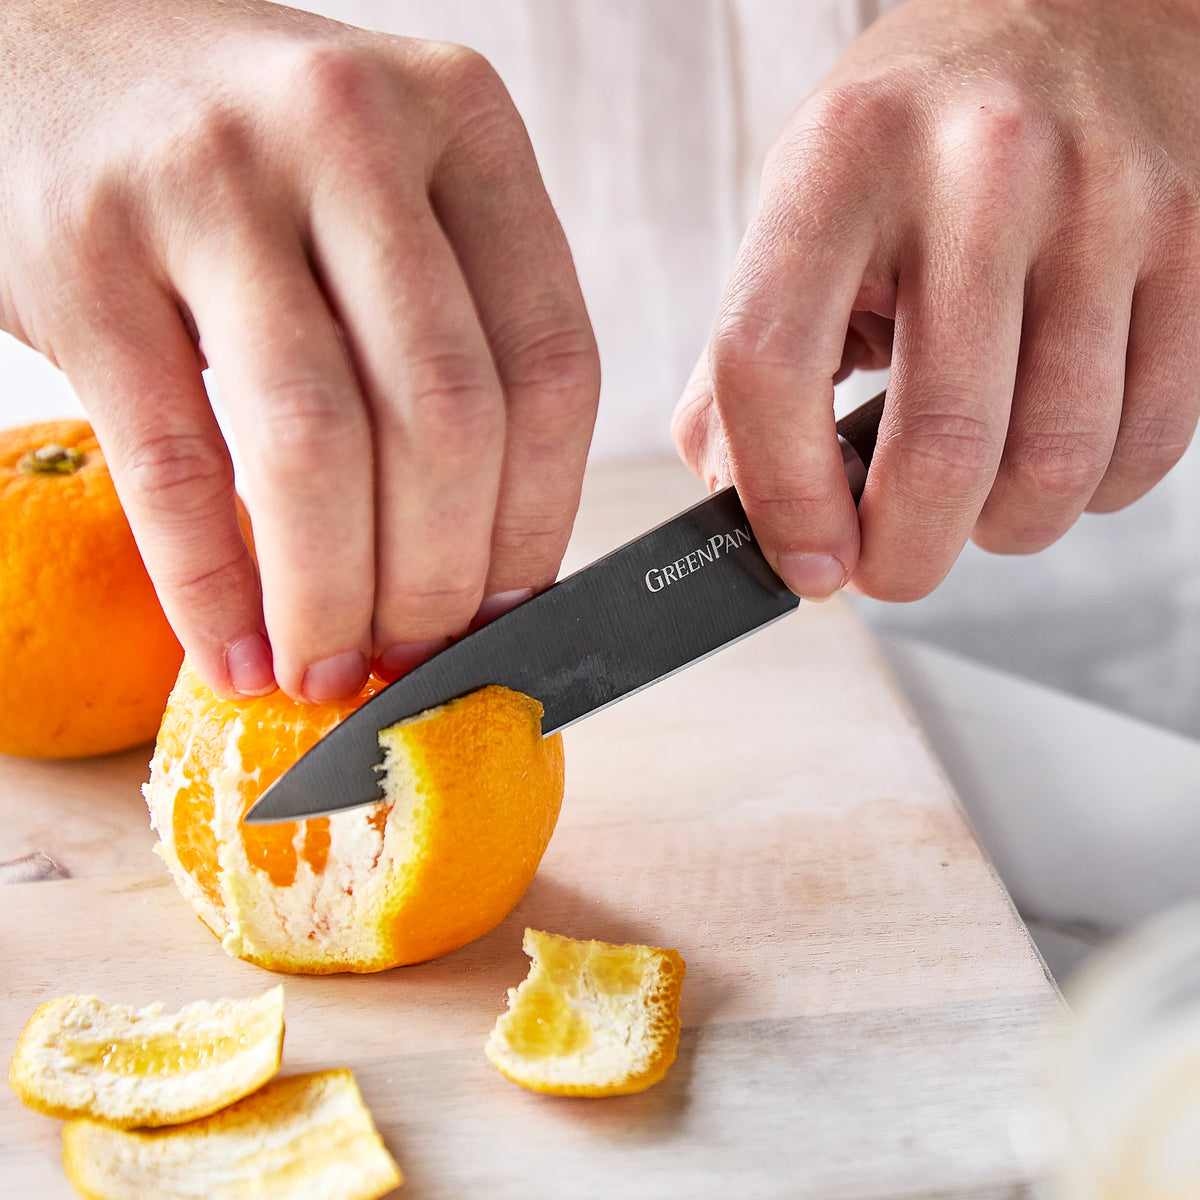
(52, 460)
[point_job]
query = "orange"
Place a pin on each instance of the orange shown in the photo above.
(86, 655)
(590, 1019)
(472, 793)
(301, 1137)
(80, 1057)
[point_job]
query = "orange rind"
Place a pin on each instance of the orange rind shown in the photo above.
(472, 793)
(301, 1137)
(590, 1019)
(80, 1057)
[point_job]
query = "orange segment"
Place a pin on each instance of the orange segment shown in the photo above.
(80, 1057)
(591, 1018)
(472, 796)
(194, 840)
(299, 1136)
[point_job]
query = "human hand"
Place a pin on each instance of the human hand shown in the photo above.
(350, 229)
(1004, 200)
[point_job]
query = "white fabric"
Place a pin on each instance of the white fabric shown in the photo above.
(650, 119)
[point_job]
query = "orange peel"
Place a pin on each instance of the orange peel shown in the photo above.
(80, 1057)
(590, 1019)
(301, 1137)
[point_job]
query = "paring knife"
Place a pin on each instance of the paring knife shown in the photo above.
(666, 600)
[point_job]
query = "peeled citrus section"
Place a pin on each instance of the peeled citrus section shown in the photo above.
(301, 1137)
(472, 794)
(79, 1057)
(590, 1019)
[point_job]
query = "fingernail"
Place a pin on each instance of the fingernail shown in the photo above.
(400, 659)
(334, 678)
(248, 663)
(497, 604)
(812, 576)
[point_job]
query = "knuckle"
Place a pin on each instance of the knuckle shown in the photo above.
(1056, 464)
(453, 401)
(304, 428)
(208, 589)
(996, 144)
(436, 608)
(844, 122)
(467, 78)
(336, 86)
(811, 178)
(1153, 442)
(1106, 161)
(530, 546)
(784, 505)
(943, 452)
(83, 234)
(81, 214)
(176, 472)
(207, 162)
(994, 121)
(749, 348)
(479, 120)
(560, 358)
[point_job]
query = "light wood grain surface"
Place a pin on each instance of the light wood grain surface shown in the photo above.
(863, 1010)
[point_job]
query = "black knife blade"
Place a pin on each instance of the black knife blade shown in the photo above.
(687, 588)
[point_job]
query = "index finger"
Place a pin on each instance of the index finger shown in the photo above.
(774, 351)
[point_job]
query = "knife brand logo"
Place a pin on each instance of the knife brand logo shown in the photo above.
(658, 578)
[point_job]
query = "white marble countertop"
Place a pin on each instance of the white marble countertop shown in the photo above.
(1090, 817)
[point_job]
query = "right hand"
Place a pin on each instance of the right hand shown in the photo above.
(351, 230)
(1017, 232)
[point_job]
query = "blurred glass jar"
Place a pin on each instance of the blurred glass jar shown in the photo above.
(1127, 1080)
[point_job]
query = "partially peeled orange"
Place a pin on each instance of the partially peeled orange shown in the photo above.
(472, 793)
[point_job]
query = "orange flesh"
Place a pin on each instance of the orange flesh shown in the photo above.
(273, 742)
(193, 837)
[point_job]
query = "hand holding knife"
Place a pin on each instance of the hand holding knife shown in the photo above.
(665, 600)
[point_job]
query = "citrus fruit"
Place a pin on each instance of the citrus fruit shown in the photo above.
(301, 1137)
(86, 655)
(471, 797)
(590, 1019)
(79, 1057)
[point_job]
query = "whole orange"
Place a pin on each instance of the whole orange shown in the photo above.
(471, 795)
(87, 658)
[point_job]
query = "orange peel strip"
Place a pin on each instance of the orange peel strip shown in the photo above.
(80, 1057)
(590, 1019)
(301, 1137)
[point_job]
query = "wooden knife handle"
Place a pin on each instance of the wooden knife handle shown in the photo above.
(861, 427)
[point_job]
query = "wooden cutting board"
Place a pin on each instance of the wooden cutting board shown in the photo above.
(863, 1010)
